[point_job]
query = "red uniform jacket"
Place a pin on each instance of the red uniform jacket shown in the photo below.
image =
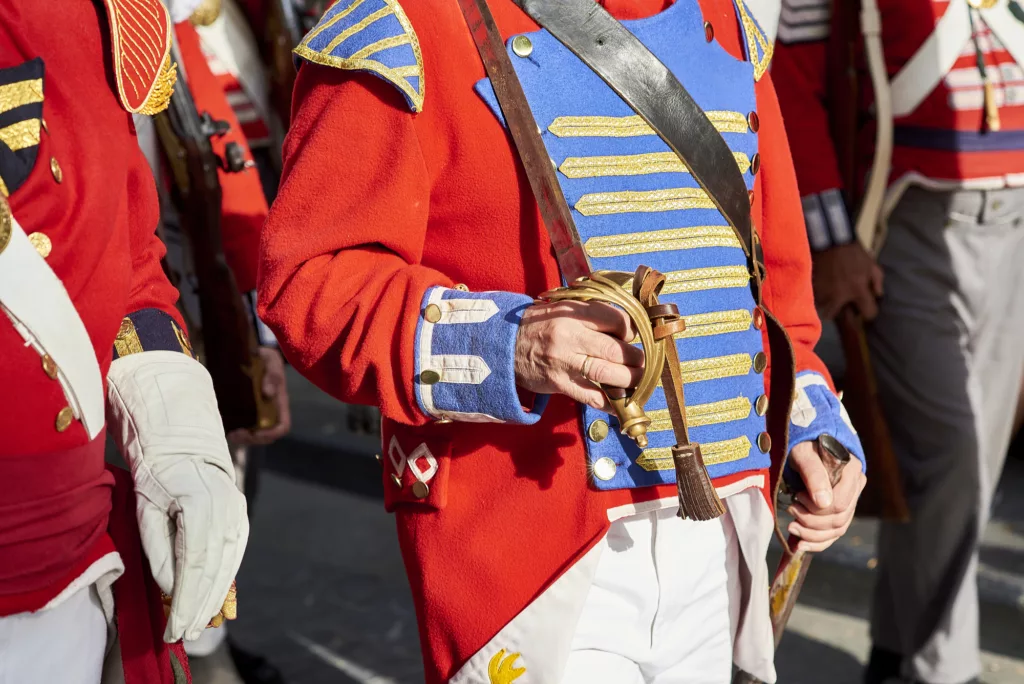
(376, 206)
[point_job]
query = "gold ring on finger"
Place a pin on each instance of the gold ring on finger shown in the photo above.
(586, 367)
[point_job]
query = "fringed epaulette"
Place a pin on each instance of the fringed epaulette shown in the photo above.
(373, 36)
(757, 47)
(140, 37)
(206, 13)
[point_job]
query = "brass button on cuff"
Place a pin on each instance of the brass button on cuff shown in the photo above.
(461, 287)
(760, 362)
(764, 442)
(64, 418)
(430, 377)
(604, 468)
(397, 481)
(522, 46)
(432, 313)
(709, 31)
(58, 175)
(42, 243)
(753, 121)
(443, 421)
(761, 405)
(598, 430)
(755, 163)
(420, 490)
(758, 318)
(49, 366)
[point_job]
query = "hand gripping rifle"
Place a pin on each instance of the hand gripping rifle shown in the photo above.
(227, 337)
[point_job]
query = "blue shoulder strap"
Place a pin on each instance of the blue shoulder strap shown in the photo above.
(373, 36)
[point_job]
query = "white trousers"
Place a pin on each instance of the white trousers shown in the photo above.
(658, 611)
(65, 644)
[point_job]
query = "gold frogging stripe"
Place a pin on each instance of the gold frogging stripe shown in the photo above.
(710, 278)
(694, 237)
(715, 413)
(646, 201)
(20, 135)
(633, 165)
(633, 126)
(716, 368)
(715, 323)
(357, 27)
(725, 451)
(15, 95)
(757, 44)
(127, 340)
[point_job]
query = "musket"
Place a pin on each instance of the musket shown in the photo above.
(227, 336)
(282, 32)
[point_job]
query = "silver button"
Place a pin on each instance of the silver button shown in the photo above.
(604, 468)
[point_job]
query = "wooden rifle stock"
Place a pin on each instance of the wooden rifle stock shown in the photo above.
(227, 339)
(883, 496)
(282, 33)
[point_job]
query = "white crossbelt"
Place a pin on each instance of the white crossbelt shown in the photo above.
(937, 55)
(34, 299)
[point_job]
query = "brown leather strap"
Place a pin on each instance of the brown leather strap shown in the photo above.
(783, 383)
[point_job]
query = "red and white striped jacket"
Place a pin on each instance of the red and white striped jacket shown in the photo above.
(944, 136)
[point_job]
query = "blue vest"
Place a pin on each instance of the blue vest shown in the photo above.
(635, 203)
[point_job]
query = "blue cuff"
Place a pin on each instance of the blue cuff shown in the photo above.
(817, 411)
(465, 355)
(828, 223)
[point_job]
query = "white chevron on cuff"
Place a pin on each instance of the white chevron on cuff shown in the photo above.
(461, 369)
(454, 311)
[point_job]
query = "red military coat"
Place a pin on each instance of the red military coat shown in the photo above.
(377, 205)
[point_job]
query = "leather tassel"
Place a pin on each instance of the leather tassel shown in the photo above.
(992, 121)
(698, 499)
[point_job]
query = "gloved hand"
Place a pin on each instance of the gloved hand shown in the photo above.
(162, 411)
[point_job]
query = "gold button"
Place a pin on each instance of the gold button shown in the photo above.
(604, 468)
(760, 362)
(758, 318)
(522, 46)
(49, 366)
(598, 430)
(709, 31)
(764, 442)
(430, 377)
(432, 313)
(58, 175)
(377, 456)
(761, 406)
(461, 287)
(755, 163)
(64, 418)
(420, 490)
(6, 224)
(750, 196)
(753, 121)
(45, 127)
(42, 244)
(443, 421)
(397, 481)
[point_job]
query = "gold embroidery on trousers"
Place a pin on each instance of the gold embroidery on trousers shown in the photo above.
(633, 165)
(693, 237)
(725, 451)
(646, 201)
(697, 415)
(633, 126)
(716, 323)
(127, 341)
(709, 278)
(20, 135)
(21, 93)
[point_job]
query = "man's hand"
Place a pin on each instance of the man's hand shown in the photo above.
(845, 275)
(823, 513)
(275, 386)
(555, 340)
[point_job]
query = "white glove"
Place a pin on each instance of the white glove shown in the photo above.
(163, 413)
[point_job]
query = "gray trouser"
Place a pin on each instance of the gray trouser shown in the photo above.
(948, 347)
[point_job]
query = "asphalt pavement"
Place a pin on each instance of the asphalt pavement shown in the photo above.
(323, 595)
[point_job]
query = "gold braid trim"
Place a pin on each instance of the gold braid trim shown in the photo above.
(206, 13)
(163, 88)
